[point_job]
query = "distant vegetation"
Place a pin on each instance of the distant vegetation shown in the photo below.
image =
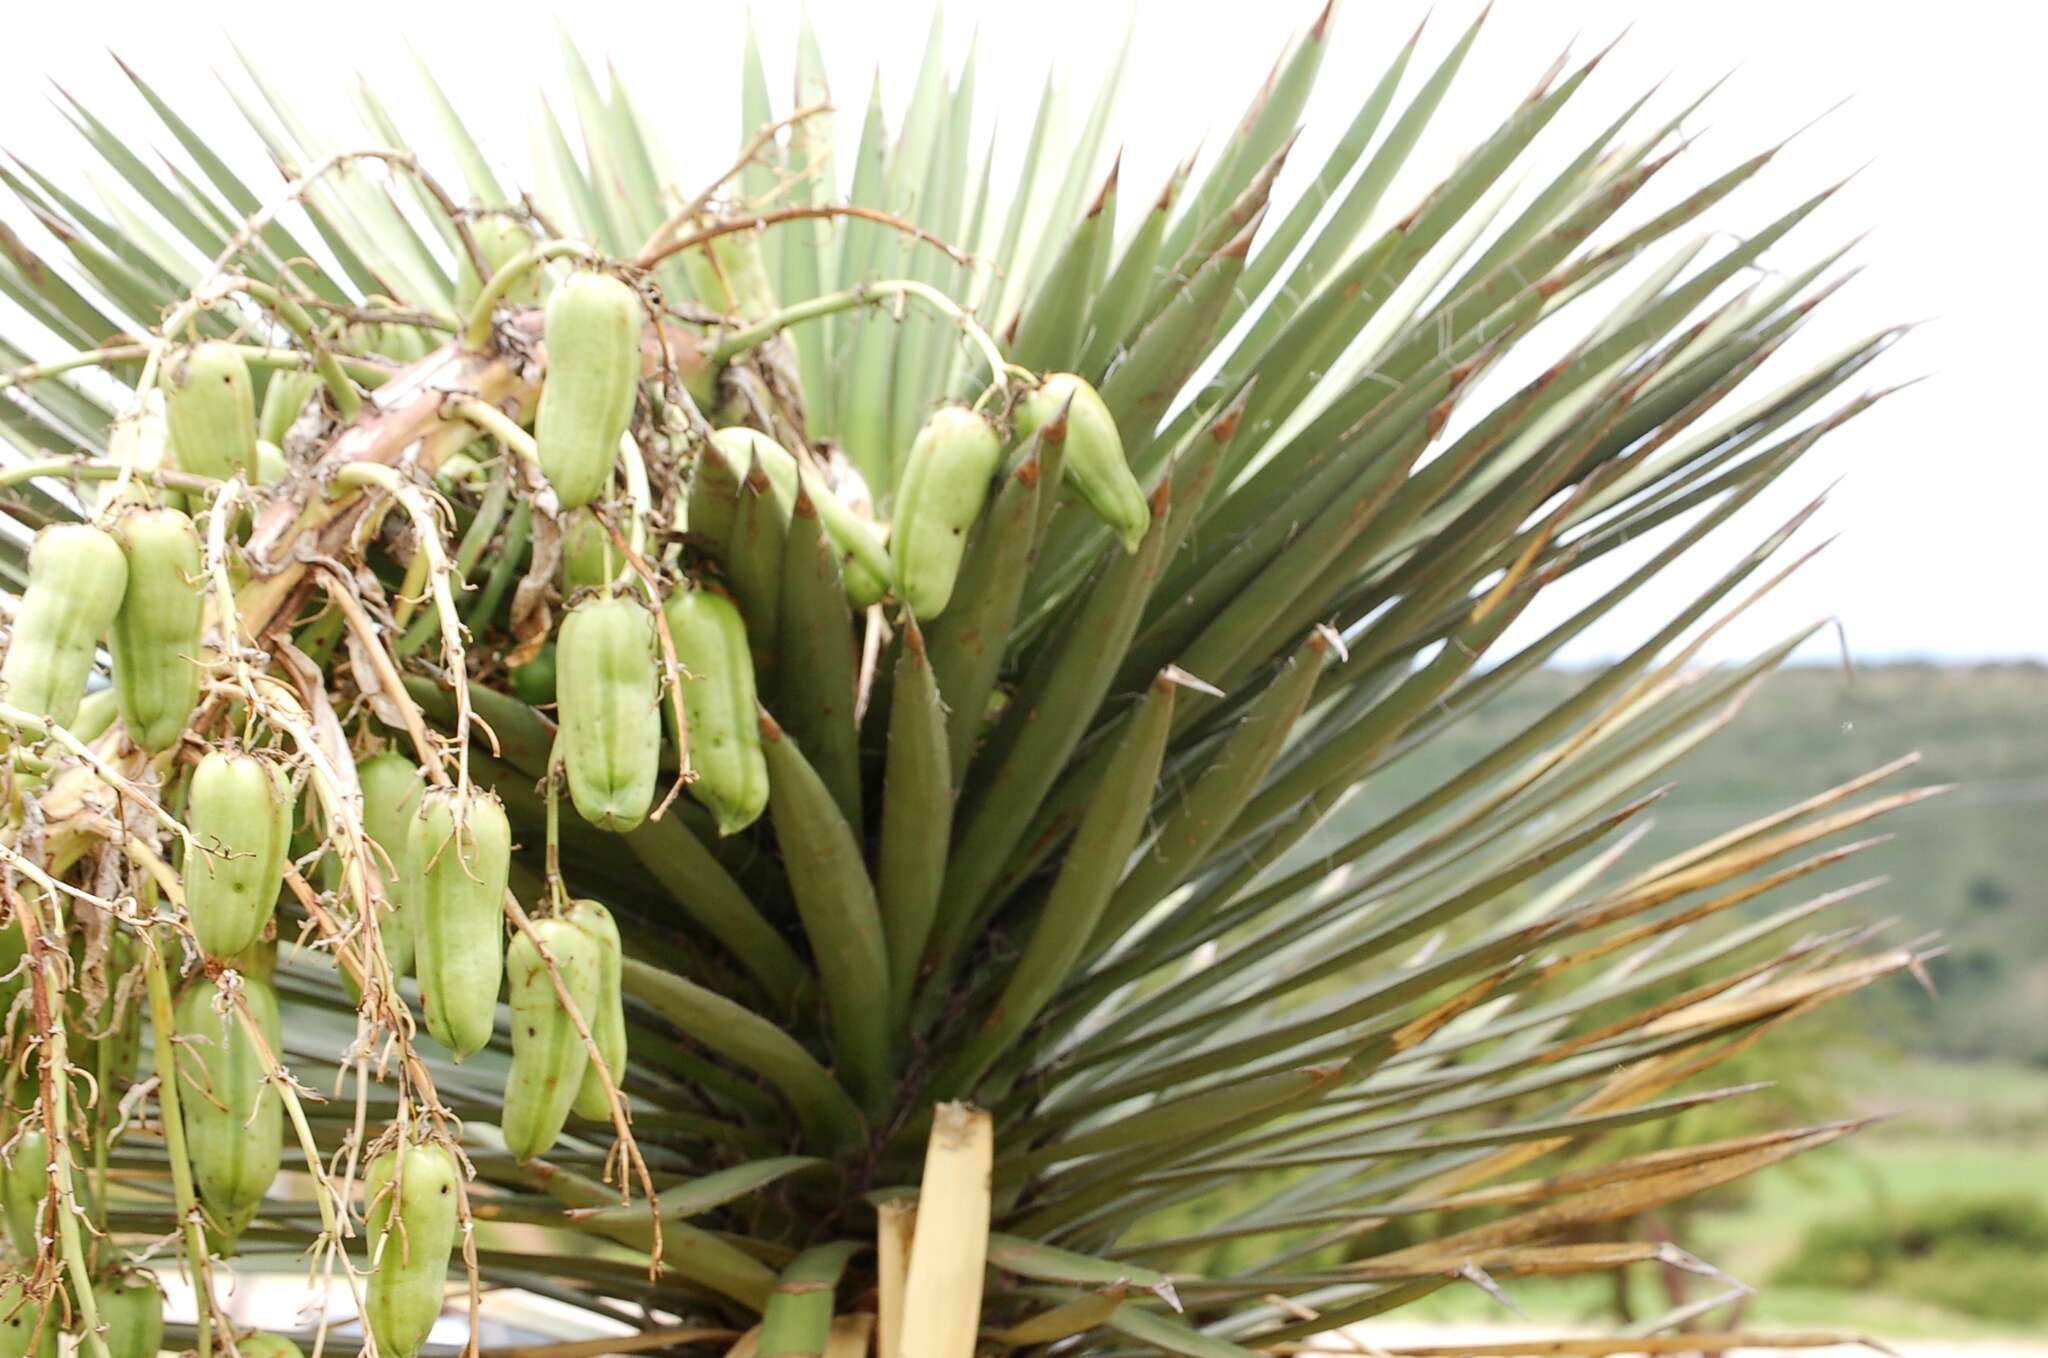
(1973, 864)
(1979, 1256)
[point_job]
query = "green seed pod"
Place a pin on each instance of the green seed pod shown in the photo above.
(548, 1055)
(863, 558)
(25, 1189)
(952, 462)
(132, 1312)
(155, 636)
(392, 788)
(262, 1345)
(593, 370)
(25, 1328)
(589, 559)
(271, 466)
(455, 885)
(77, 576)
(210, 403)
(234, 1120)
(239, 809)
(608, 696)
(500, 239)
(720, 706)
(534, 682)
(608, 1024)
(96, 712)
(409, 1269)
(284, 400)
(1095, 463)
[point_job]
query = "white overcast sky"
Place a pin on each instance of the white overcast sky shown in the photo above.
(1942, 490)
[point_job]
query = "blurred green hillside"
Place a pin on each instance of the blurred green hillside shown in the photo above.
(1973, 864)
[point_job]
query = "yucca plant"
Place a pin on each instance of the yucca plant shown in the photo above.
(1015, 595)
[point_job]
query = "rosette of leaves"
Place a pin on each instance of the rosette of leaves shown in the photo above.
(1119, 847)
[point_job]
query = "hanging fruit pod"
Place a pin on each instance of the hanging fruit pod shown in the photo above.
(411, 1197)
(548, 1055)
(608, 1024)
(458, 857)
(592, 333)
(131, 1310)
(239, 808)
(393, 787)
(210, 405)
(77, 577)
(27, 1329)
(720, 706)
(155, 636)
(952, 463)
(1095, 464)
(608, 696)
(234, 1119)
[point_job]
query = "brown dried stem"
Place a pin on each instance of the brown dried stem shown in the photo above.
(756, 144)
(762, 220)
